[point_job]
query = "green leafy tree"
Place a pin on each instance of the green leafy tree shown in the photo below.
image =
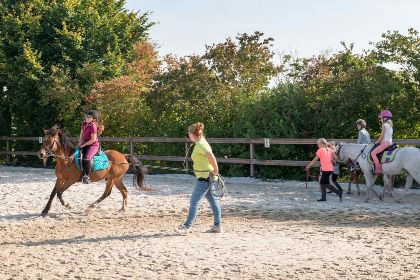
(121, 100)
(213, 88)
(53, 52)
(403, 52)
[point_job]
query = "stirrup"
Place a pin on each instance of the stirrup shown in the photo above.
(86, 179)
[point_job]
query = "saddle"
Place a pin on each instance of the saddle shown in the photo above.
(386, 156)
(99, 161)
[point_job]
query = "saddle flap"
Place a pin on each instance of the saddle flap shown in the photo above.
(99, 161)
(386, 155)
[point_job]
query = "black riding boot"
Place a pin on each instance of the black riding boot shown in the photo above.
(336, 191)
(86, 171)
(338, 186)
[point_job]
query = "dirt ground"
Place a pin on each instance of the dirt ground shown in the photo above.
(272, 230)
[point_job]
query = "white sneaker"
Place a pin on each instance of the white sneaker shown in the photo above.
(216, 229)
(182, 229)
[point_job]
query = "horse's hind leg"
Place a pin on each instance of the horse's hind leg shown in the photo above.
(408, 184)
(107, 192)
(120, 186)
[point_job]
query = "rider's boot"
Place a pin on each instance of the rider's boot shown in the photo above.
(86, 171)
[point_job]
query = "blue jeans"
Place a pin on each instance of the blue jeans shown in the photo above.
(202, 189)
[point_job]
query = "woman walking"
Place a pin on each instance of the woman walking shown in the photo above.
(204, 165)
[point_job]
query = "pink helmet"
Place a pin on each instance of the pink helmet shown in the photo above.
(385, 114)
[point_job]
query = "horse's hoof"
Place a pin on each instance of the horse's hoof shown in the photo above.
(67, 206)
(122, 210)
(358, 193)
(44, 214)
(366, 200)
(147, 189)
(348, 192)
(90, 208)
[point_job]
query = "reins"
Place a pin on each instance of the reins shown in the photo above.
(361, 152)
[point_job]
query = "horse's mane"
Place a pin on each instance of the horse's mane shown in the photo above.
(66, 143)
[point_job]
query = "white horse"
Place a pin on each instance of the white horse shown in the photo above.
(407, 158)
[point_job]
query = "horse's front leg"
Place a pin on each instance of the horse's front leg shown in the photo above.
(387, 192)
(357, 176)
(370, 180)
(350, 181)
(47, 208)
(408, 184)
(62, 189)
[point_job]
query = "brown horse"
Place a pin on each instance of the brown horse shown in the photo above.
(355, 173)
(56, 143)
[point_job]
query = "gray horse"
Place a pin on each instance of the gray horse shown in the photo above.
(407, 158)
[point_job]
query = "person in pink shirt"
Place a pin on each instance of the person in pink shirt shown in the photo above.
(88, 142)
(326, 156)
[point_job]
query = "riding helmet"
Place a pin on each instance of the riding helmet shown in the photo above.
(361, 122)
(94, 114)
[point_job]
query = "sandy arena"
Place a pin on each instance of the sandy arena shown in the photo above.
(273, 230)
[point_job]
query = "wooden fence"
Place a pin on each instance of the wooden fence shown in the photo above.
(251, 161)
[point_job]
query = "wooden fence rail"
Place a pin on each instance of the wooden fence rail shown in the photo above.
(251, 161)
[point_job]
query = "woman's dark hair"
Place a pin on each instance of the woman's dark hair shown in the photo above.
(95, 115)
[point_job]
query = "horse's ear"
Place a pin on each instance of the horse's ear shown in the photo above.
(45, 131)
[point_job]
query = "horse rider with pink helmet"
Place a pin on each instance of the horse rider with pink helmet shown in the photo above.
(384, 140)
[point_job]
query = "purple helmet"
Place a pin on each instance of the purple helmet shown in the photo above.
(385, 114)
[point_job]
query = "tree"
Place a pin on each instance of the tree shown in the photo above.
(403, 51)
(129, 116)
(53, 52)
(213, 88)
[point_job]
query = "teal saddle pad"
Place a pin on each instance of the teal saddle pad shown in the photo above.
(100, 160)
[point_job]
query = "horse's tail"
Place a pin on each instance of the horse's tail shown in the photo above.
(139, 172)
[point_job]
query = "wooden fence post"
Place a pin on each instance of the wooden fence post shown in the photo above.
(187, 146)
(251, 157)
(8, 160)
(131, 147)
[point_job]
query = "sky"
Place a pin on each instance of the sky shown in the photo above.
(300, 27)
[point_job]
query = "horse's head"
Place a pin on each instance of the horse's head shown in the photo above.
(342, 158)
(51, 143)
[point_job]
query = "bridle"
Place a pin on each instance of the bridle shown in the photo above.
(338, 151)
(49, 150)
(362, 152)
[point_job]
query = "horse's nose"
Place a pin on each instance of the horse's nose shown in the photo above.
(41, 153)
